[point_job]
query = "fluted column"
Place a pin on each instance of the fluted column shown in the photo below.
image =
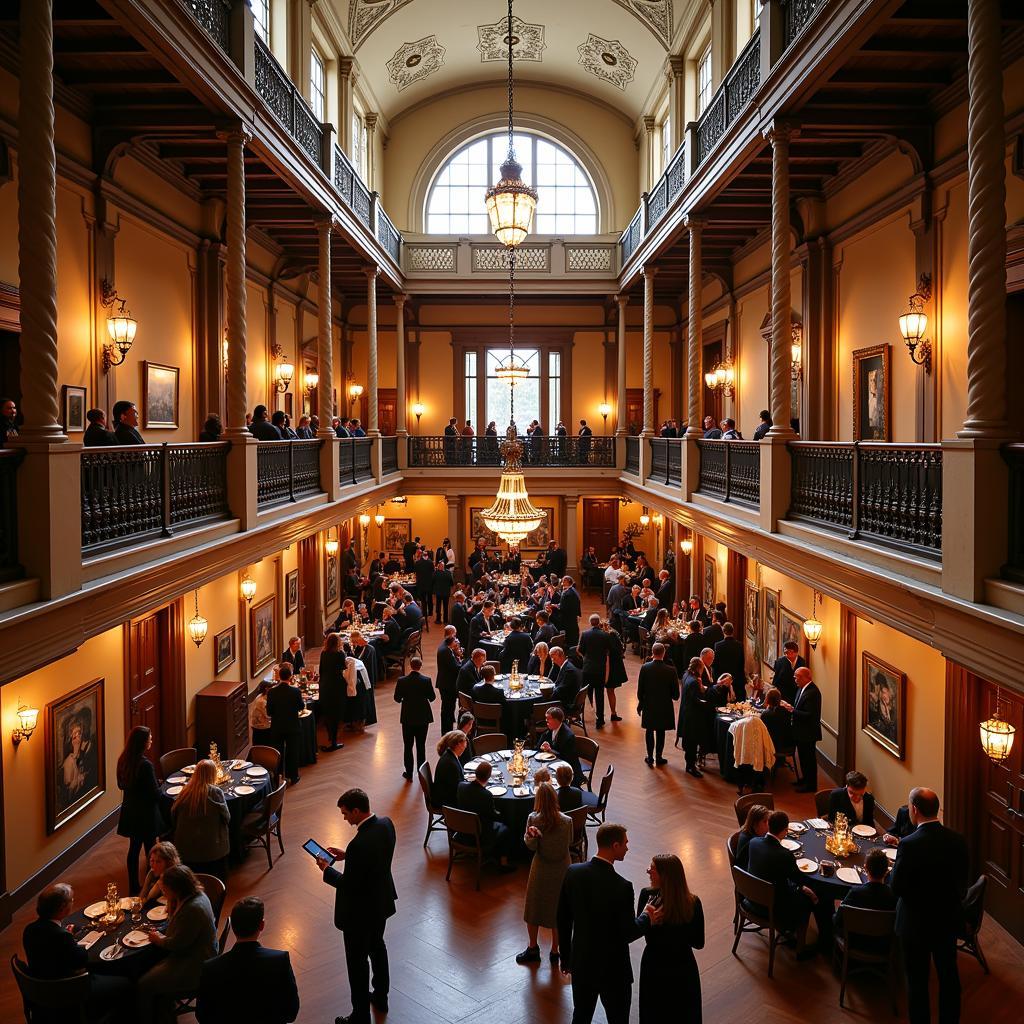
(371, 345)
(620, 407)
(986, 217)
(694, 329)
(325, 348)
(401, 404)
(649, 273)
(781, 349)
(235, 405)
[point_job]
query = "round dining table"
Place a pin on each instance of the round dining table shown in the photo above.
(308, 718)
(519, 704)
(108, 952)
(724, 743)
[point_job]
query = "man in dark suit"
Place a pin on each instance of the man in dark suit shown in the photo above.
(518, 647)
(729, 659)
(96, 434)
(448, 667)
(900, 828)
(261, 428)
(545, 632)
(496, 837)
(594, 646)
(484, 621)
(441, 588)
(929, 879)
(294, 656)
(423, 567)
(853, 800)
(666, 591)
(713, 632)
(806, 712)
(784, 669)
(391, 642)
(596, 924)
(696, 610)
(415, 692)
(569, 611)
(657, 687)
(585, 441)
(459, 618)
(557, 560)
(469, 673)
(284, 705)
(569, 681)
(226, 989)
(874, 894)
(559, 739)
(410, 613)
(365, 900)
(485, 692)
(126, 423)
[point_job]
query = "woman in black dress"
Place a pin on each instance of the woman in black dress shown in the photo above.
(669, 977)
(332, 689)
(140, 821)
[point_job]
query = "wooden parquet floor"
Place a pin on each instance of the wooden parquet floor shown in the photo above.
(452, 949)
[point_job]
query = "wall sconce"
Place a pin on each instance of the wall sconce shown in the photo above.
(28, 719)
(722, 376)
(331, 546)
(658, 520)
(625, 502)
(197, 625)
(310, 379)
(914, 323)
(121, 326)
(418, 410)
(248, 588)
(285, 371)
(686, 546)
(354, 392)
(645, 519)
(379, 517)
(605, 410)
(399, 499)
(812, 627)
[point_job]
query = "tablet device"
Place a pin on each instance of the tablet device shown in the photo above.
(315, 850)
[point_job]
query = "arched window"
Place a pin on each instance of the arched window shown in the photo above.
(567, 204)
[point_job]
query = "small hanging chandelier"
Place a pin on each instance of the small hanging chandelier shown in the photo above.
(997, 734)
(512, 516)
(197, 625)
(812, 627)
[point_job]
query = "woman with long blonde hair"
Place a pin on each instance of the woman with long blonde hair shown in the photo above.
(669, 976)
(200, 816)
(549, 835)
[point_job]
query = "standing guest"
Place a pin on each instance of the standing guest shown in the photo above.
(294, 656)
(96, 434)
(333, 662)
(593, 646)
(596, 926)
(259, 720)
(495, 836)
(518, 646)
(778, 721)
(140, 821)
(657, 687)
(559, 739)
(929, 879)
(570, 796)
(873, 894)
(853, 800)
(448, 666)
(569, 609)
(162, 856)
(451, 433)
(557, 560)
(226, 991)
(713, 632)
(669, 977)
(284, 705)
(200, 820)
(666, 590)
(549, 836)
(755, 826)
(729, 660)
(764, 426)
(448, 770)
(262, 429)
(8, 420)
(126, 423)
(441, 589)
(189, 941)
(806, 712)
(692, 717)
(617, 674)
(423, 568)
(415, 692)
(364, 901)
(586, 436)
(212, 429)
(784, 669)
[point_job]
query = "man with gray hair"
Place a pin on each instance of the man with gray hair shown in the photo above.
(595, 646)
(806, 712)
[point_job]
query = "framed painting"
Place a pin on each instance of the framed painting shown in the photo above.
(872, 394)
(223, 650)
(159, 396)
(884, 704)
(397, 533)
(330, 580)
(708, 589)
(791, 627)
(291, 592)
(770, 604)
(751, 619)
(73, 404)
(477, 529)
(75, 753)
(263, 634)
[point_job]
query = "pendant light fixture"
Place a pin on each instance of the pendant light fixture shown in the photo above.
(997, 734)
(812, 627)
(197, 625)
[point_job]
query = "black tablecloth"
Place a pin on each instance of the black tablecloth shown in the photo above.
(515, 719)
(812, 844)
(724, 747)
(307, 723)
(132, 963)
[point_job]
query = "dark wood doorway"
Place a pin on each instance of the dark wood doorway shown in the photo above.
(600, 525)
(154, 669)
(712, 398)
(310, 621)
(635, 411)
(387, 411)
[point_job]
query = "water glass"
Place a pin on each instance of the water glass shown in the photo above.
(137, 911)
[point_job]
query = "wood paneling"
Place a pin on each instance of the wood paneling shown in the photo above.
(600, 525)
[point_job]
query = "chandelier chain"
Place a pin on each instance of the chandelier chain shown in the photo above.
(511, 87)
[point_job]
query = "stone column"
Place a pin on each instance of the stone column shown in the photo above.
(677, 98)
(371, 353)
(572, 539)
(370, 120)
(620, 398)
(330, 452)
(649, 272)
(694, 329)
(345, 105)
(650, 126)
(402, 404)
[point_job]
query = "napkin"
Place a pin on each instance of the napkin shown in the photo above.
(817, 822)
(90, 940)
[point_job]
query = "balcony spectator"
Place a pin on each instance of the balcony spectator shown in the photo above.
(451, 432)
(212, 428)
(262, 429)
(468, 434)
(711, 432)
(355, 428)
(314, 424)
(8, 420)
(280, 420)
(339, 428)
(729, 431)
(764, 426)
(304, 431)
(96, 434)
(126, 423)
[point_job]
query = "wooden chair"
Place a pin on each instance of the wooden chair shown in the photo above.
(587, 751)
(731, 845)
(868, 924)
(784, 756)
(974, 913)
(744, 803)
(578, 846)
(410, 646)
(755, 892)
(537, 723)
(490, 743)
(435, 819)
(269, 758)
(821, 802)
(215, 891)
(258, 827)
(597, 808)
(464, 839)
(174, 760)
(578, 715)
(644, 647)
(465, 702)
(488, 718)
(63, 999)
(496, 665)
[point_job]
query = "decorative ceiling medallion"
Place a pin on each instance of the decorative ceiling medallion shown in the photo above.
(415, 61)
(655, 14)
(527, 40)
(608, 59)
(366, 15)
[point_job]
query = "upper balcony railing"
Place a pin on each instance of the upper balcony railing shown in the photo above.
(633, 455)
(355, 463)
(483, 452)
(666, 460)
(731, 471)
(594, 258)
(287, 471)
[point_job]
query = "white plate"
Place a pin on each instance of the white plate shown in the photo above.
(471, 766)
(256, 771)
(797, 827)
(867, 831)
(96, 909)
(174, 790)
(189, 769)
(807, 866)
(111, 952)
(126, 902)
(497, 790)
(849, 876)
(176, 778)
(546, 757)
(522, 791)
(890, 853)
(244, 790)
(136, 940)
(790, 844)
(305, 713)
(817, 822)
(239, 766)
(157, 913)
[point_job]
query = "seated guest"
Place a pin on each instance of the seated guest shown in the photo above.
(391, 642)
(853, 800)
(758, 691)
(545, 631)
(226, 991)
(540, 663)
(467, 725)
(569, 795)
(200, 820)
(485, 621)
(161, 857)
(778, 721)
(720, 693)
(568, 679)
(409, 613)
(51, 952)
(259, 720)
(873, 894)
(901, 827)
(448, 770)
(126, 423)
(485, 692)
(96, 434)
(346, 616)
(495, 837)
(559, 739)
(518, 647)
(755, 826)
(293, 655)
(469, 673)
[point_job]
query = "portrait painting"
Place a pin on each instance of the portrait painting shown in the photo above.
(263, 634)
(291, 592)
(537, 540)
(74, 408)
(223, 649)
(791, 627)
(751, 619)
(75, 754)
(159, 396)
(477, 529)
(710, 569)
(770, 646)
(330, 580)
(872, 394)
(884, 704)
(397, 533)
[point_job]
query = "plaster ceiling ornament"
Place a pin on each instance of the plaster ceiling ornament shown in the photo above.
(415, 61)
(608, 59)
(366, 15)
(527, 40)
(655, 14)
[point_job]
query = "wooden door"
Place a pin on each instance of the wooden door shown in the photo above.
(712, 399)
(635, 411)
(600, 525)
(145, 696)
(309, 617)
(387, 411)
(736, 574)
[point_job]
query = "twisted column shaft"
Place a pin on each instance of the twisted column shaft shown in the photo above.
(235, 280)
(325, 350)
(620, 410)
(694, 330)
(371, 342)
(649, 273)
(402, 406)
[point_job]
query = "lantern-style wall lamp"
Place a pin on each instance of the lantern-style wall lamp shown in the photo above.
(686, 546)
(284, 372)
(121, 326)
(914, 324)
(997, 735)
(248, 588)
(418, 409)
(310, 379)
(722, 376)
(645, 519)
(812, 627)
(197, 625)
(28, 719)
(331, 546)
(379, 517)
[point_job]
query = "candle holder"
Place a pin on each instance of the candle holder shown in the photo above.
(517, 763)
(515, 682)
(840, 840)
(223, 775)
(113, 915)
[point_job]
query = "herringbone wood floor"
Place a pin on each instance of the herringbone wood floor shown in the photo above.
(452, 949)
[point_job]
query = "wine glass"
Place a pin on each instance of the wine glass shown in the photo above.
(137, 911)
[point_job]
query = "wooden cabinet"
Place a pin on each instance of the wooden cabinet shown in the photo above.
(222, 717)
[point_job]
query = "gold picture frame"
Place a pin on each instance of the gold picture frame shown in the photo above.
(75, 750)
(884, 704)
(872, 394)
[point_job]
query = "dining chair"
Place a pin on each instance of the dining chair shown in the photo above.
(597, 807)
(490, 743)
(821, 802)
(435, 819)
(465, 702)
(488, 718)
(587, 751)
(731, 846)
(61, 999)
(496, 665)
(464, 839)
(215, 891)
(174, 760)
(755, 905)
(645, 643)
(866, 941)
(744, 803)
(580, 841)
(968, 940)
(259, 826)
(269, 758)
(537, 720)
(578, 714)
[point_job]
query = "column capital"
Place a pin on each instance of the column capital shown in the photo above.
(237, 134)
(676, 64)
(694, 223)
(370, 119)
(345, 65)
(622, 299)
(325, 222)
(400, 299)
(780, 131)
(648, 270)
(372, 273)
(650, 122)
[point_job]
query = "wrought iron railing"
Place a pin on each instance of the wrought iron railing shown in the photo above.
(286, 471)
(10, 567)
(136, 492)
(633, 455)
(214, 16)
(1014, 568)
(632, 236)
(796, 16)
(388, 235)
(354, 463)
(389, 454)
(666, 460)
(483, 452)
(277, 90)
(730, 470)
(821, 489)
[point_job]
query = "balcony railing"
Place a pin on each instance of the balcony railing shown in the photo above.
(890, 493)
(10, 567)
(389, 454)
(214, 16)
(483, 452)
(286, 471)
(666, 460)
(1014, 568)
(134, 492)
(730, 471)
(633, 455)
(796, 16)
(354, 464)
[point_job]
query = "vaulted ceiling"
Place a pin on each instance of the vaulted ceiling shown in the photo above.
(409, 50)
